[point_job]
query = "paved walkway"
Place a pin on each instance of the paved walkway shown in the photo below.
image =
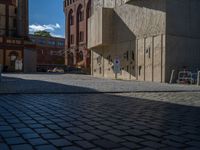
(37, 116)
(96, 121)
(67, 83)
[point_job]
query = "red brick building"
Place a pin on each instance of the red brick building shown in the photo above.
(77, 13)
(14, 44)
(49, 50)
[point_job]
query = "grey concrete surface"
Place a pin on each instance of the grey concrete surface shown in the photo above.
(70, 83)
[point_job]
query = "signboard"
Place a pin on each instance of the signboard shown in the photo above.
(117, 66)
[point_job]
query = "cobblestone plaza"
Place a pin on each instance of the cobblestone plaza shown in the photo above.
(66, 112)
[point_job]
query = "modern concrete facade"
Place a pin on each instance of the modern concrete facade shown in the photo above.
(77, 13)
(149, 37)
(14, 35)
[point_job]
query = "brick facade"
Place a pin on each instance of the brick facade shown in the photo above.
(49, 50)
(13, 33)
(77, 13)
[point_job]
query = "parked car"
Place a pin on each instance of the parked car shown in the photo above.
(56, 70)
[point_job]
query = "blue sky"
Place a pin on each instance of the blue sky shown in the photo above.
(47, 15)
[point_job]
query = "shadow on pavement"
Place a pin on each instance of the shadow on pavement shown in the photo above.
(103, 120)
(10, 85)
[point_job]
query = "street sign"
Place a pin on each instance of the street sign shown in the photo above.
(117, 66)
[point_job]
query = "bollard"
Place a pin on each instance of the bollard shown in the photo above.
(172, 77)
(198, 78)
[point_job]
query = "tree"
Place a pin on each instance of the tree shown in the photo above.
(43, 33)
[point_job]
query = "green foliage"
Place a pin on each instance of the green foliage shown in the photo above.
(42, 33)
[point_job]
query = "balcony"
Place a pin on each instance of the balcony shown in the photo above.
(100, 28)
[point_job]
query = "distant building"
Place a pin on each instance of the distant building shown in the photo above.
(50, 50)
(16, 52)
(147, 38)
(77, 13)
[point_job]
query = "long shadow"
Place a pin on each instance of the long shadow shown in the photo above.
(149, 4)
(114, 121)
(11, 85)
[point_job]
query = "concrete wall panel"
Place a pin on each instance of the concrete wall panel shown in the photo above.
(148, 58)
(141, 62)
(157, 62)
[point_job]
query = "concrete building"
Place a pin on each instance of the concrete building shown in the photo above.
(50, 51)
(15, 49)
(77, 13)
(150, 38)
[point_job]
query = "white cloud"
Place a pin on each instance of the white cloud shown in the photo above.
(37, 27)
(50, 28)
(57, 35)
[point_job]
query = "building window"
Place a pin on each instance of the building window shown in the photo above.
(80, 13)
(42, 42)
(60, 43)
(71, 20)
(14, 23)
(71, 17)
(81, 16)
(81, 36)
(133, 56)
(15, 10)
(72, 39)
(51, 43)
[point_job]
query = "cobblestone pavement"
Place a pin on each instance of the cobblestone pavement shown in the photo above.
(96, 121)
(182, 98)
(67, 83)
(36, 116)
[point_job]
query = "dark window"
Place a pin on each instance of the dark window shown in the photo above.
(41, 41)
(80, 16)
(71, 39)
(81, 36)
(52, 43)
(71, 19)
(14, 23)
(15, 10)
(60, 43)
(133, 56)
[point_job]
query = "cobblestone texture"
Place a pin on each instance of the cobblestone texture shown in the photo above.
(92, 121)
